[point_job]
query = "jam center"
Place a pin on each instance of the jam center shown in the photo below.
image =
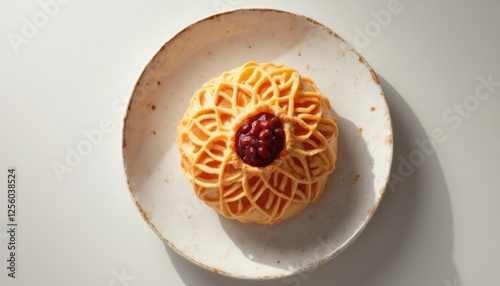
(260, 139)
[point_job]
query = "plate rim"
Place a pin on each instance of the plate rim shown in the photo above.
(361, 226)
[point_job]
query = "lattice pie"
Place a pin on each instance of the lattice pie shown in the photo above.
(258, 143)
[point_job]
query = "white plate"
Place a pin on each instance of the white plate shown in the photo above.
(165, 197)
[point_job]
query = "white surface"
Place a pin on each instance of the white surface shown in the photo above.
(437, 227)
(167, 199)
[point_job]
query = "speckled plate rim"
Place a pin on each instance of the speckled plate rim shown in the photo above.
(348, 242)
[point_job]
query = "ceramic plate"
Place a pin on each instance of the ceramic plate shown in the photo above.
(165, 197)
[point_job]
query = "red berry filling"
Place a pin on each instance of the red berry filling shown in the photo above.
(260, 139)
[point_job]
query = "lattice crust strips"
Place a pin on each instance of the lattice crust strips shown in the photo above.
(206, 141)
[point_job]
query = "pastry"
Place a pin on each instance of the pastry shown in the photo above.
(258, 143)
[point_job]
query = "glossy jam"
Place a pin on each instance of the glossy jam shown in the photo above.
(260, 139)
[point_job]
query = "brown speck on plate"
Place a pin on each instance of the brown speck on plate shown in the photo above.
(371, 212)
(389, 140)
(374, 77)
(151, 106)
(352, 87)
(372, 108)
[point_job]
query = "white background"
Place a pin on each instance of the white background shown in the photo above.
(68, 68)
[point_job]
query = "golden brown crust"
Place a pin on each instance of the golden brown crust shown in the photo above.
(280, 190)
